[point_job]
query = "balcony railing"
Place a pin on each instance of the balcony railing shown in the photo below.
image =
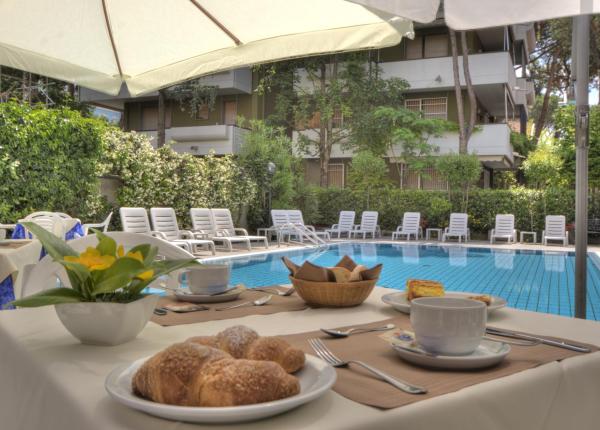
(200, 140)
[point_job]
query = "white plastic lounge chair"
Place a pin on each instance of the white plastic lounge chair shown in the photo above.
(411, 223)
(164, 221)
(504, 228)
(203, 225)
(295, 217)
(345, 224)
(224, 223)
(43, 275)
(103, 226)
(458, 227)
(555, 230)
(135, 220)
(50, 221)
(368, 224)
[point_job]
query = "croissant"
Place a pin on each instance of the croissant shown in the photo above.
(243, 342)
(188, 374)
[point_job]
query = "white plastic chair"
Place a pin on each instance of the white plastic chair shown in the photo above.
(504, 228)
(295, 217)
(345, 224)
(203, 225)
(135, 220)
(411, 224)
(368, 224)
(556, 229)
(103, 226)
(458, 227)
(223, 222)
(164, 221)
(44, 274)
(50, 221)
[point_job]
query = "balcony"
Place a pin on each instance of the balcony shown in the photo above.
(200, 140)
(490, 68)
(491, 143)
(237, 81)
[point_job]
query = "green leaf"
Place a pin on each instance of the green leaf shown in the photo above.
(162, 268)
(149, 258)
(119, 275)
(55, 247)
(106, 244)
(144, 249)
(78, 275)
(53, 296)
(112, 283)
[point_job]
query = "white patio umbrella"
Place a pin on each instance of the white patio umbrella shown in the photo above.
(150, 44)
(473, 14)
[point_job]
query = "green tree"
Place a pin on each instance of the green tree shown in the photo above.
(326, 99)
(462, 171)
(385, 130)
(543, 167)
(564, 132)
(367, 174)
(264, 144)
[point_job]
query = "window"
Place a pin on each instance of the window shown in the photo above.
(202, 112)
(149, 118)
(414, 48)
(335, 175)
(434, 107)
(436, 46)
(230, 112)
(430, 46)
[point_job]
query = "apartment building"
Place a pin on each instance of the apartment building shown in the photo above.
(498, 69)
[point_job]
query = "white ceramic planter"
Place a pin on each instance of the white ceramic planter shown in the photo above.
(98, 323)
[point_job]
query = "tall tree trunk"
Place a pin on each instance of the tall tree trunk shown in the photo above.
(470, 91)
(324, 150)
(160, 127)
(542, 118)
(462, 138)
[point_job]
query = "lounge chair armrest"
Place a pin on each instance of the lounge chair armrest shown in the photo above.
(241, 231)
(335, 227)
(159, 234)
(200, 234)
(186, 234)
(310, 227)
(222, 233)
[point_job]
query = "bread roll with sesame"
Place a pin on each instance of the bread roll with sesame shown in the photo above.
(243, 342)
(189, 374)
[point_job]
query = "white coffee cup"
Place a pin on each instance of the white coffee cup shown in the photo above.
(448, 325)
(206, 278)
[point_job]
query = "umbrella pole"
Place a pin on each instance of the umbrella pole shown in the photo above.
(580, 56)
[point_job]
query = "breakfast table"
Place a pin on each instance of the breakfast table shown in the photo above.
(51, 381)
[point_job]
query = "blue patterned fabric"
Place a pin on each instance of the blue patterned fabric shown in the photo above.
(74, 233)
(7, 293)
(19, 232)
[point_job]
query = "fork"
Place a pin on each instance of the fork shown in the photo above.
(326, 354)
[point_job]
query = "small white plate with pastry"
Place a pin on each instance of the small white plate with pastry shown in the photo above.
(400, 302)
(235, 376)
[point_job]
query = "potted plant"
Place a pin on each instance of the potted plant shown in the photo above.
(104, 304)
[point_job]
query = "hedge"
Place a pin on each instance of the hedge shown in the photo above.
(529, 206)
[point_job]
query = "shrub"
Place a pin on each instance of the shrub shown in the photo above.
(49, 161)
(529, 206)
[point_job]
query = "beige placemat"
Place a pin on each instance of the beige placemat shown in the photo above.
(361, 386)
(275, 305)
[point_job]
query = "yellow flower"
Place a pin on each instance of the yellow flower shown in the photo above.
(92, 259)
(144, 276)
(120, 251)
(137, 255)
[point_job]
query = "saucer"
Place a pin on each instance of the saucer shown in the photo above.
(488, 353)
(231, 294)
(399, 301)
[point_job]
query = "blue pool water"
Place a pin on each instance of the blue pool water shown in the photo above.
(530, 280)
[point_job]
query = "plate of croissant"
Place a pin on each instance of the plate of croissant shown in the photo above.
(234, 376)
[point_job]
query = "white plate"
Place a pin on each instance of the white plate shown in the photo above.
(316, 378)
(487, 354)
(399, 301)
(207, 298)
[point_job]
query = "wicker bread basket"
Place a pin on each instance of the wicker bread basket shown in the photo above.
(334, 294)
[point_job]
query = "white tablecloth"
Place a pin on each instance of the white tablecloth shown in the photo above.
(50, 381)
(12, 261)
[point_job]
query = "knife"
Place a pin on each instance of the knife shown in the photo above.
(551, 342)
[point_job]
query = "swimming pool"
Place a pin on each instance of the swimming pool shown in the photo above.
(531, 280)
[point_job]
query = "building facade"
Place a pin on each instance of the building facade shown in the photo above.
(498, 60)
